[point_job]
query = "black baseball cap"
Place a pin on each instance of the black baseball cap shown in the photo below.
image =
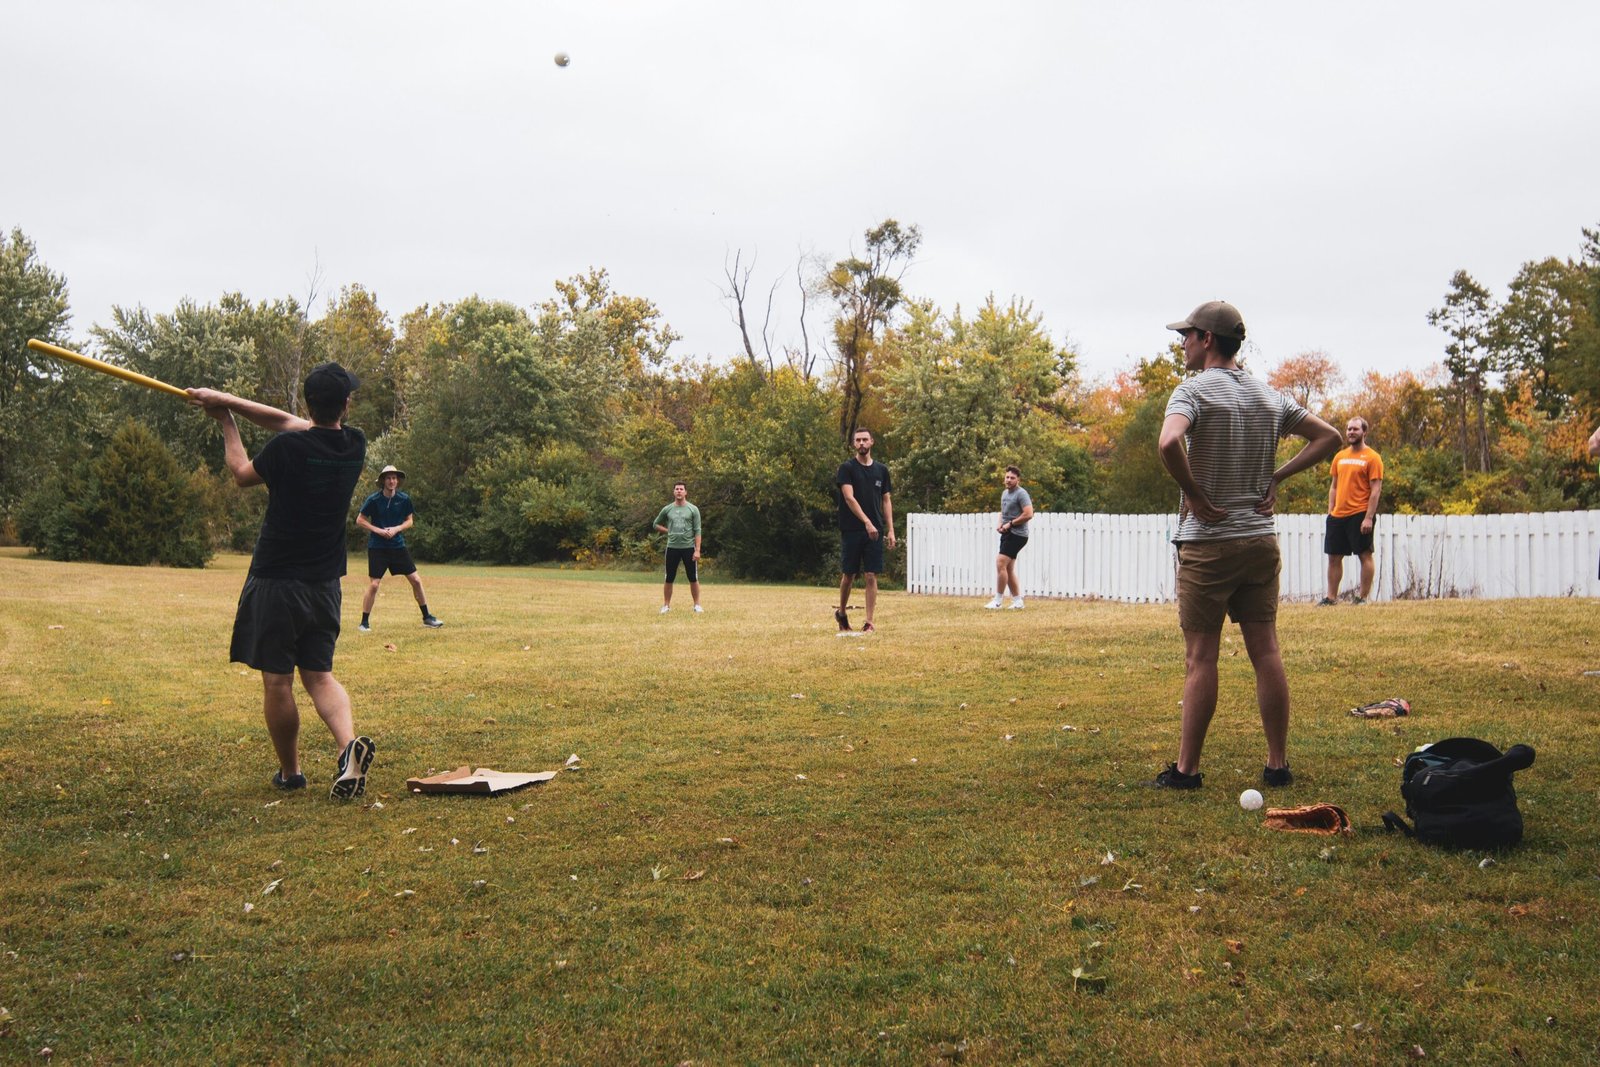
(329, 383)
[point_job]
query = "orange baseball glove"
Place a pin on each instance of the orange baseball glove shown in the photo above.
(1309, 819)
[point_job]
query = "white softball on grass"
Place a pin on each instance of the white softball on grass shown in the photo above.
(1250, 799)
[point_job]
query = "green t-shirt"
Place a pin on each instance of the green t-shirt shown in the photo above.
(682, 523)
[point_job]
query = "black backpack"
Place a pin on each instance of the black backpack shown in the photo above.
(1458, 794)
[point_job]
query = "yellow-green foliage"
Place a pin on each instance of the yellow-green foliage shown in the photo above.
(783, 846)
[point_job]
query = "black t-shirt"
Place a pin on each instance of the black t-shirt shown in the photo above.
(311, 476)
(871, 484)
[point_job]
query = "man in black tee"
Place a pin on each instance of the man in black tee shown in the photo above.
(866, 525)
(288, 614)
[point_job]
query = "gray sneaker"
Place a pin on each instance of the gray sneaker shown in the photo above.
(351, 780)
(432, 622)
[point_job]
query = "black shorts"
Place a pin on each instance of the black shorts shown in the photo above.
(685, 556)
(284, 623)
(859, 553)
(1011, 544)
(1344, 536)
(393, 560)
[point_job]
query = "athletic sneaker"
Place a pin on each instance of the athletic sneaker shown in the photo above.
(1172, 778)
(1276, 775)
(868, 628)
(432, 622)
(1016, 604)
(1326, 602)
(699, 610)
(664, 609)
(991, 605)
(1358, 600)
(841, 618)
(364, 628)
(351, 780)
(294, 781)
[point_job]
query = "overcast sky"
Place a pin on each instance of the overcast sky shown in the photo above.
(1325, 167)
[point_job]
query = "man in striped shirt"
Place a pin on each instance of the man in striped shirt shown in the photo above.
(1219, 442)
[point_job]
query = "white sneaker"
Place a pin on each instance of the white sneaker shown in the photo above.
(665, 608)
(991, 605)
(698, 609)
(1016, 604)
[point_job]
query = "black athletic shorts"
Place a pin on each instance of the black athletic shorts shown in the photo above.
(1011, 544)
(685, 556)
(284, 623)
(1344, 536)
(393, 560)
(859, 553)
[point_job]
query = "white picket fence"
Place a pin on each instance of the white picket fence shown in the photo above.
(1131, 557)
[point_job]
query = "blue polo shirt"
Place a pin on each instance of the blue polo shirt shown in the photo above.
(384, 512)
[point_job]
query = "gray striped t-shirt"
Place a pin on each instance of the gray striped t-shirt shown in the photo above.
(1235, 423)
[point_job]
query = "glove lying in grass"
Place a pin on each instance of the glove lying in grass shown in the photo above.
(1309, 819)
(1392, 708)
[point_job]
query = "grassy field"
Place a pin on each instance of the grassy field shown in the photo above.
(782, 846)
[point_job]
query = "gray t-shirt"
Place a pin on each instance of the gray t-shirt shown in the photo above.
(1012, 503)
(1235, 423)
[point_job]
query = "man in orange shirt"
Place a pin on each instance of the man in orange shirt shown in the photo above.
(1352, 510)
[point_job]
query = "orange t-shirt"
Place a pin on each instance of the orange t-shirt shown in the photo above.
(1353, 475)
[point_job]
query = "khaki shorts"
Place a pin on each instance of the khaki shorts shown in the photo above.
(1237, 578)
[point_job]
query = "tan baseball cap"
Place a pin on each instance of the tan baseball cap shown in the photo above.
(1214, 316)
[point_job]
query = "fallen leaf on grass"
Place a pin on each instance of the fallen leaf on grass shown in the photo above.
(248, 907)
(1069, 729)
(572, 762)
(1130, 886)
(728, 842)
(656, 873)
(392, 647)
(1234, 946)
(1193, 908)
(1082, 979)
(1085, 883)
(1487, 862)
(479, 850)
(694, 876)
(272, 886)
(800, 778)
(1300, 892)
(376, 805)
(274, 865)
(406, 893)
(1108, 859)
(408, 830)
(272, 804)
(55, 626)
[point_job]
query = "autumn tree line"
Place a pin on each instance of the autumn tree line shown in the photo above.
(553, 430)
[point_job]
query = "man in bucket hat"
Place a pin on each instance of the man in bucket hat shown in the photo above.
(386, 516)
(288, 614)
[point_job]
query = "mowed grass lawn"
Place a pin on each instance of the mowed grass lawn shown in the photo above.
(782, 846)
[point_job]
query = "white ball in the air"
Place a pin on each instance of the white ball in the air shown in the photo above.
(562, 59)
(1250, 799)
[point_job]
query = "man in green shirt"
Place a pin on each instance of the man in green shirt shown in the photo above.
(680, 521)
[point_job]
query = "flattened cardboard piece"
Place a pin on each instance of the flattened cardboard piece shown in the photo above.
(481, 780)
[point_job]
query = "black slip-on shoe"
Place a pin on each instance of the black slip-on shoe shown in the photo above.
(1172, 778)
(294, 781)
(1277, 775)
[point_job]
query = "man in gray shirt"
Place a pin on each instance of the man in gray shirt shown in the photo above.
(1228, 560)
(1016, 508)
